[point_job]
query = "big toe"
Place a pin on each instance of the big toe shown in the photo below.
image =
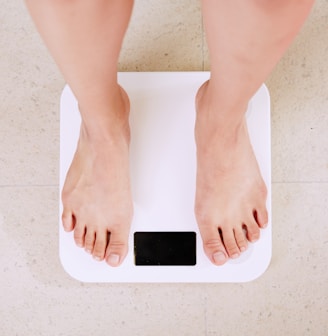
(213, 245)
(117, 248)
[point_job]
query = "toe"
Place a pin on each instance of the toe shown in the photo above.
(100, 245)
(261, 217)
(240, 239)
(253, 231)
(79, 235)
(230, 243)
(117, 248)
(213, 246)
(89, 240)
(68, 220)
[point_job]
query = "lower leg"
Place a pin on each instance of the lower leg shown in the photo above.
(245, 39)
(85, 39)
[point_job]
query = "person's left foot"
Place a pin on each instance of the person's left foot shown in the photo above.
(230, 192)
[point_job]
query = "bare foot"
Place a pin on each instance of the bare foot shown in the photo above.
(230, 193)
(96, 196)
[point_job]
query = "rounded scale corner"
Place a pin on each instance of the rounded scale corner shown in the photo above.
(66, 91)
(259, 272)
(266, 93)
(66, 97)
(265, 88)
(67, 270)
(67, 264)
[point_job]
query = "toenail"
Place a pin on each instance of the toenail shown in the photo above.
(97, 258)
(234, 256)
(243, 249)
(88, 251)
(219, 257)
(79, 244)
(113, 259)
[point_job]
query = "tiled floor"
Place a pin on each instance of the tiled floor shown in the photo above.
(38, 298)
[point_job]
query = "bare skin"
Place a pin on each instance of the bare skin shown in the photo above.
(230, 193)
(85, 38)
(97, 195)
(245, 39)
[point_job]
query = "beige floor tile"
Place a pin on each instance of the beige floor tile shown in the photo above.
(169, 40)
(29, 88)
(291, 298)
(39, 298)
(164, 36)
(206, 55)
(298, 88)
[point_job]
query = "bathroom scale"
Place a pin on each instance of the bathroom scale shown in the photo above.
(164, 243)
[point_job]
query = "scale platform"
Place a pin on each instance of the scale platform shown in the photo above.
(165, 244)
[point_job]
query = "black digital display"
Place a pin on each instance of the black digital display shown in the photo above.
(165, 248)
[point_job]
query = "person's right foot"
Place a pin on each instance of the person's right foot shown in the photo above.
(96, 195)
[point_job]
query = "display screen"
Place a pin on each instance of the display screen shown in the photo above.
(165, 248)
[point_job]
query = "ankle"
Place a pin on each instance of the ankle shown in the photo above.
(215, 116)
(105, 135)
(219, 104)
(106, 119)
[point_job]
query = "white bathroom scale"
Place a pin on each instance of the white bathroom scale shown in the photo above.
(165, 244)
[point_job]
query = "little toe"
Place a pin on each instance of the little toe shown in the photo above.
(68, 220)
(89, 240)
(230, 243)
(100, 245)
(79, 235)
(213, 246)
(241, 239)
(117, 248)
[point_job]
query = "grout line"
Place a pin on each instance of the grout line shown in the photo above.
(29, 186)
(299, 182)
(57, 185)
